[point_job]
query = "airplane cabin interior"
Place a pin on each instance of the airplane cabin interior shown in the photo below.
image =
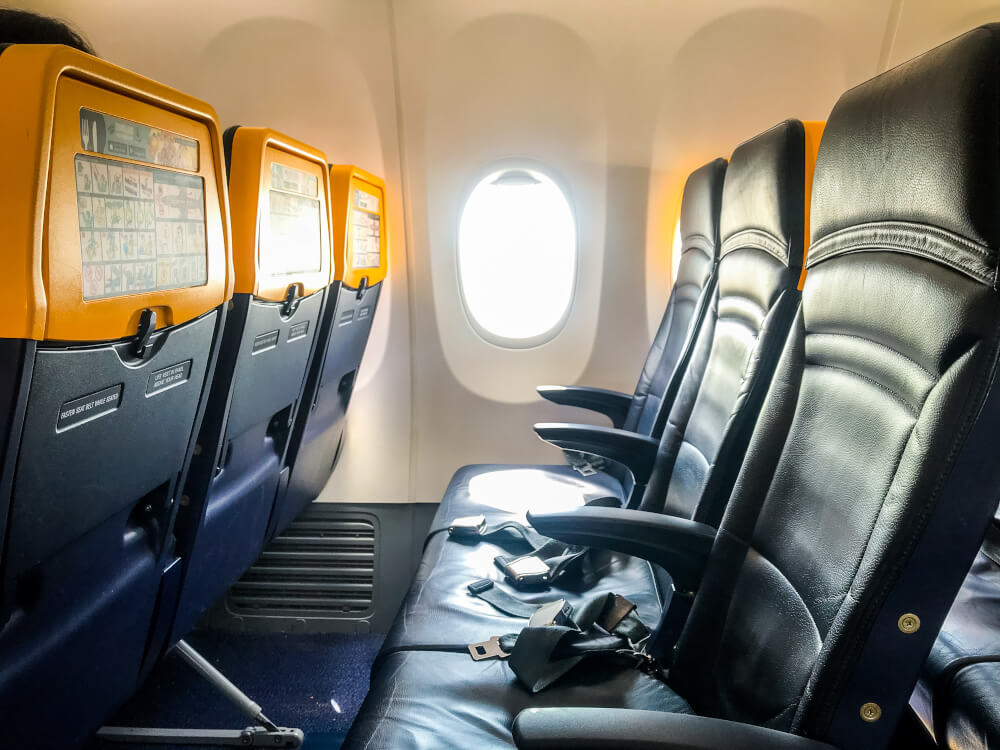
(537, 374)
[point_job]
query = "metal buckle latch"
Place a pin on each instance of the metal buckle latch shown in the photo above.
(487, 650)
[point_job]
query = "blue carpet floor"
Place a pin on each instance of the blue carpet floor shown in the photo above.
(313, 682)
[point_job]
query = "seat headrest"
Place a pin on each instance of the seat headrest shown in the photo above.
(910, 161)
(763, 200)
(700, 208)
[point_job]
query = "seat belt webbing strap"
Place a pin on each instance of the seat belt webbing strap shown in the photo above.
(502, 601)
(606, 625)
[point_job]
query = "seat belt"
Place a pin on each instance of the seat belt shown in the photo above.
(548, 558)
(475, 528)
(554, 642)
(661, 645)
(502, 601)
(585, 464)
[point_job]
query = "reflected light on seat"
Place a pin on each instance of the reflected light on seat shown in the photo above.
(520, 490)
(517, 227)
(675, 253)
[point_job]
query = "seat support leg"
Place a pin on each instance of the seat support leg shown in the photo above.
(265, 733)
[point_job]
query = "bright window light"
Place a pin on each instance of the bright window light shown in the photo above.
(517, 256)
(675, 257)
(521, 490)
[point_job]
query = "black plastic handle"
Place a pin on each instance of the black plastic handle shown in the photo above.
(612, 404)
(593, 728)
(678, 545)
(636, 452)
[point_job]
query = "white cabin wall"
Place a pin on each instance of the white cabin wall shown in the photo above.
(619, 100)
(924, 24)
(622, 100)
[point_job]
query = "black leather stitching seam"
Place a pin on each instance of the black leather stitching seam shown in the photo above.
(880, 345)
(687, 293)
(757, 239)
(740, 321)
(698, 242)
(913, 409)
(686, 284)
(763, 310)
(934, 243)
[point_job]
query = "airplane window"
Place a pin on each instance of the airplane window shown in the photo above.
(517, 229)
(675, 254)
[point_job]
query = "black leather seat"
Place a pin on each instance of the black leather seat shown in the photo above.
(868, 485)
(643, 412)
(972, 722)
(710, 420)
(431, 700)
(504, 491)
(958, 696)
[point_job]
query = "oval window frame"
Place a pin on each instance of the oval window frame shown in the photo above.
(492, 170)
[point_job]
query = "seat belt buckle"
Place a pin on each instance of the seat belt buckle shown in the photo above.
(489, 649)
(468, 527)
(586, 469)
(559, 612)
(526, 570)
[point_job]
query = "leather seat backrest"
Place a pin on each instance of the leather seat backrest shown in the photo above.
(762, 225)
(699, 233)
(867, 478)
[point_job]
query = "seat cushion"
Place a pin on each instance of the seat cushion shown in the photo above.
(974, 721)
(438, 610)
(971, 627)
(507, 491)
(424, 699)
(969, 631)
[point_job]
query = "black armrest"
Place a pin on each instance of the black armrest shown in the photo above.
(611, 404)
(678, 545)
(604, 728)
(636, 452)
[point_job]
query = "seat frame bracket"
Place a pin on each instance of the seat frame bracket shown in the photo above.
(264, 733)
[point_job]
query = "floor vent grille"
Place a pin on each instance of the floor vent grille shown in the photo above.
(319, 567)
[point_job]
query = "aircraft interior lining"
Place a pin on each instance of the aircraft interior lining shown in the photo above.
(436, 373)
